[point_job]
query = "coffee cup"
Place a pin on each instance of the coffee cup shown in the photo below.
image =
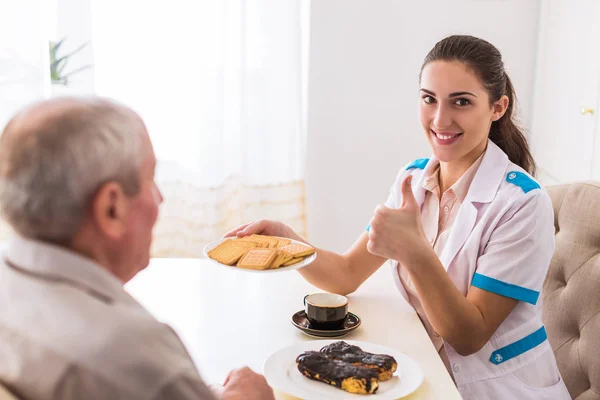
(326, 310)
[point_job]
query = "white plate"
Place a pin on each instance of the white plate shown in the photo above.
(303, 263)
(282, 374)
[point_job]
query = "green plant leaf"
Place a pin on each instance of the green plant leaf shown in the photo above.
(77, 50)
(54, 46)
(77, 70)
(61, 64)
(58, 64)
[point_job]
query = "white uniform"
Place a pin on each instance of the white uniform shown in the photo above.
(502, 241)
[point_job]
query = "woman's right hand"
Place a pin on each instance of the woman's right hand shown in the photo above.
(265, 227)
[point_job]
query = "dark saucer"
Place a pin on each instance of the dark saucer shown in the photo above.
(300, 321)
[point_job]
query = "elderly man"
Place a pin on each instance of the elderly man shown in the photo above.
(77, 185)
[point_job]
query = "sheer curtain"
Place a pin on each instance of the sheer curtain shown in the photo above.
(23, 55)
(220, 87)
(23, 60)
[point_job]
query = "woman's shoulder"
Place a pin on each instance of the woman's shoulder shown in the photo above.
(519, 188)
(415, 167)
(518, 180)
(418, 164)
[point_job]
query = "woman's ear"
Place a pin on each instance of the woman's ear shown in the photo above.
(500, 107)
(109, 210)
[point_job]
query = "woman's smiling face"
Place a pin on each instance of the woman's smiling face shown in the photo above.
(455, 111)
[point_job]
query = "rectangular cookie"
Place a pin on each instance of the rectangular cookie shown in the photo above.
(257, 259)
(228, 252)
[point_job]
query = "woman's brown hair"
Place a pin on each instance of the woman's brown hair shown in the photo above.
(486, 61)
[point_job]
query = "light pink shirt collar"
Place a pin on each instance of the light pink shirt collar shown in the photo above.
(460, 187)
(486, 182)
(61, 265)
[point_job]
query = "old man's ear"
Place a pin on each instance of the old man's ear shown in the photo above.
(109, 210)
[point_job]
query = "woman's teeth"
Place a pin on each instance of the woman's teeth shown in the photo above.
(446, 137)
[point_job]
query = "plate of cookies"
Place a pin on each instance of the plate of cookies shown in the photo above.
(260, 253)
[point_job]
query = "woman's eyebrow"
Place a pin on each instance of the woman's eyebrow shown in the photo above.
(455, 94)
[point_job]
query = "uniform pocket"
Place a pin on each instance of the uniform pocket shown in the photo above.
(558, 391)
(541, 373)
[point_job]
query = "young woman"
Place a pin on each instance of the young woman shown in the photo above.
(470, 233)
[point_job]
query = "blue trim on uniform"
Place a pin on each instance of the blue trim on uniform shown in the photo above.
(505, 289)
(368, 228)
(522, 180)
(519, 347)
(419, 163)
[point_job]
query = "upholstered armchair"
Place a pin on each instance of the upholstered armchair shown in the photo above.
(571, 292)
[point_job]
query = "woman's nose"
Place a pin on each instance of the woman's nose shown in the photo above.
(442, 118)
(158, 197)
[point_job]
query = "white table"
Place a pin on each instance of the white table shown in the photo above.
(230, 318)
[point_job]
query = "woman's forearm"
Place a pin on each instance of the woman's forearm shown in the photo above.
(453, 317)
(331, 272)
(343, 274)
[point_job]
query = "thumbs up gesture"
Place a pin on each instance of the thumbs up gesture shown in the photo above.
(397, 233)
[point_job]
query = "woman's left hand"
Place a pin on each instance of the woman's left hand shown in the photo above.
(397, 234)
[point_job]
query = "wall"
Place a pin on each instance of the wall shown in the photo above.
(23, 57)
(365, 58)
(74, 24)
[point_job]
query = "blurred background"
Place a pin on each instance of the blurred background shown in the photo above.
(296, 110)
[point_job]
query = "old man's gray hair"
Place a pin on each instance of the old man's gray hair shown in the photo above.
(53, 162)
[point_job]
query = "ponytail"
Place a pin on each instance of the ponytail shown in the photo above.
(507, 135)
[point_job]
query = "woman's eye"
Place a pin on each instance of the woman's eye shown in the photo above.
(428, 99)
(462, 102)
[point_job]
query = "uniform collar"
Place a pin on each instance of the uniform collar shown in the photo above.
(488, 176)
(54, 263)
(460, 188)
